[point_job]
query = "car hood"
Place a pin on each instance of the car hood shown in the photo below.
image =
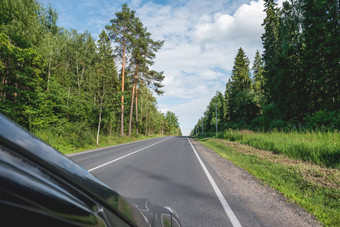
(137, 212)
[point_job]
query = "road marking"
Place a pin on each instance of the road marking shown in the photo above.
(105, 148)
(124, 156)
(233, 219)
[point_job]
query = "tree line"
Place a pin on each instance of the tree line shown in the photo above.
(69, 83)
(295, 84)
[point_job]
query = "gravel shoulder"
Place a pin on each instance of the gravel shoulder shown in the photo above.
(265, 203)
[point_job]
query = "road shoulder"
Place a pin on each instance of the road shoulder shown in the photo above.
(264, 202)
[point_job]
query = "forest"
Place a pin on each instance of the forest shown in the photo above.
(72, 90)
(294, 84)
(279, 118)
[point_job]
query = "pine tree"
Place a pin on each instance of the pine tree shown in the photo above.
(322, 56)
(270, 45)
(227, 100)
(122, 31)
(291, 81)
(242, 100)
(240, 73)
(143, 52)
(258, 74)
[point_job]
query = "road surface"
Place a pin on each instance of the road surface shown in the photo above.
(170, 172)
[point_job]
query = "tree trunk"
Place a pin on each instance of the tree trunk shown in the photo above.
(100, 119)
(100, 113)
(146, 122)
(68, 95)
(131, 108)
(110, 131)
(3, 82)
(82, 74)
(136, 110)
(122, 102)
(48, 74)
(15, 95)
(78, 80)
(132, 99)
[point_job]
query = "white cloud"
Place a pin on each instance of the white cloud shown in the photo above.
(201, 41)
(243, 28)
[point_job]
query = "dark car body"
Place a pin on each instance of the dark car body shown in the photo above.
(39, 186)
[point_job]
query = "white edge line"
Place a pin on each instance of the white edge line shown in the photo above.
(104, 148)
(233, 219)
(124, 156)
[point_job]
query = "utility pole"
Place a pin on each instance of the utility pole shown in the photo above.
(202, 125)
(216, 116)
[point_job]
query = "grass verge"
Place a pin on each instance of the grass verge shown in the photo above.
(111, 142)
(315, 188)
(66, 145)
(321, 148)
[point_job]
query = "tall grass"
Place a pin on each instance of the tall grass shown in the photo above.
(70, 143)
(322, 148)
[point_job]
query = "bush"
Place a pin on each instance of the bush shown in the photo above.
(258, 123)
(277, 124)
(78, 134)
(270, 119)
(322, 120)
(67, 136)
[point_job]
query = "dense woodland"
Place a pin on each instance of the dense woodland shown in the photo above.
(67, 84)
(295, 84)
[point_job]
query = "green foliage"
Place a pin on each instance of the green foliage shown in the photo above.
(63, 86)
(258, 82)
(122, 29)
(172, 124)
(243, 107)
(269, 41)
(240, 74)
(321, 56)
(59, 138)
(242, 102)
(270, 118)
(20, 79)
(323, 120)
(21, 21)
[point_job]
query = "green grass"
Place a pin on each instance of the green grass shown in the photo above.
(320, 200)
(321, 148)
(67, 144)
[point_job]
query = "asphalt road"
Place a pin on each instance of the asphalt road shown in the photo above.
(169, 172)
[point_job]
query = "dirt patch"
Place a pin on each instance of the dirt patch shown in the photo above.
(267, 204)
(311, 172)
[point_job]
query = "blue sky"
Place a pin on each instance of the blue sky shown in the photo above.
(201, 41)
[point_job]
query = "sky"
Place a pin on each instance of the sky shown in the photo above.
(201, 41)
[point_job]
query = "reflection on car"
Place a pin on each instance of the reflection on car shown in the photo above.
(39, 186)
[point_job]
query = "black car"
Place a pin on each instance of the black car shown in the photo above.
(39, 186)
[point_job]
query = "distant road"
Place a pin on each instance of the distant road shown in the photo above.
(168, 171)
